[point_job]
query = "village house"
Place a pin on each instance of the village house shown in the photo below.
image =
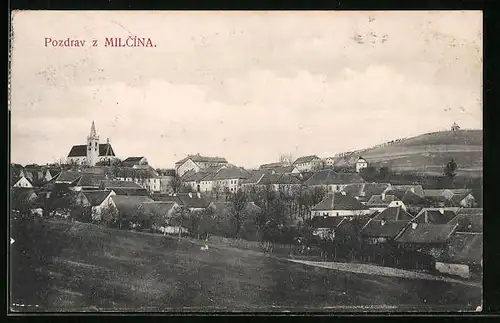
(329, 162)
(361, 163)
(88, 181)
(424, 243)
(284, 183)
(68, 177)
(339, 204)
(394, 214)
(229, 179)
(197, 162)
(464, 256)
(99, 200)
(400, 190)
(126, 210)
(332, 180)
(364, 191)
(194, 202)
(135, 161)
(436, 215)
(146, 177)
(22, 182)
(468, 220)
(450, 197)
(158, 214)
(254, 178)
(308, 163)
(414, 203)
(201, 181)
(128, 188)
(271, 166)
(68, 202)
(381, 202)
(22, 199)
(50, 174)
(166, 177)
(91, 153)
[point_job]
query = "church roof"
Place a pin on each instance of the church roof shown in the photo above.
(81, 150)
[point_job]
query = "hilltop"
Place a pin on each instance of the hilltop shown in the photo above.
(426, 153)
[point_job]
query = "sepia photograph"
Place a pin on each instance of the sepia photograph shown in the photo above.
(245, 161)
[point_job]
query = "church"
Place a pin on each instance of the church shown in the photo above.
(91, 153)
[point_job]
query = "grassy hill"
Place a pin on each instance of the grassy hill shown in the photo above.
(428, 153)
(63, 266)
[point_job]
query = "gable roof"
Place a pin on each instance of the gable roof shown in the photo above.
(68, 177)
(394, 214)
(95, 198)
(90, 180)
(288, 179)
(231, 173)
(112, 184)
(434, 192)
(129, 206)
(351, 227)
(224, 208)
(354, 189)
(383, 229)
(377, 200)
(466, 248)
(436, 215)
(305, 159)
(191, 200)
(284, 169)
(457, 198)
(330, 177)
(133, 159)
(254, 177)
(410, 198)
(156, 208)
(468, 221)
(417, 189)
(339, 201)
(21, 195)
(202, 159)
(81, 150)
(427, 233)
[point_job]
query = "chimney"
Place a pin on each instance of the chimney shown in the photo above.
(414, 225)
(190, 195)
(199, 195)
(383, 196)
(382, 222)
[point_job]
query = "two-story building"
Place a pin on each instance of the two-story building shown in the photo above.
(198, 162)
(308, 163)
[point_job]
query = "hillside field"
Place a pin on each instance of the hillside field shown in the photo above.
(429, 153)
(63, 266)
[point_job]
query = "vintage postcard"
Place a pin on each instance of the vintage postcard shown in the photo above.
(246, 161)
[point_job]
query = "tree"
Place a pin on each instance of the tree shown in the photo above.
(110, 216)
(238, 210)
(450, 169)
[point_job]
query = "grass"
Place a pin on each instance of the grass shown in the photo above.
(62, 266)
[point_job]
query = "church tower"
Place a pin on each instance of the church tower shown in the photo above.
(92, 146)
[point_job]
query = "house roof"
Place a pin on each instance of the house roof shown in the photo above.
(354, 189)
(192, 200)
(339, 201)
(112, 184)
(457, 198)
(231, 173)
(284, 169)
(330, 177)
(417, 189)
(351, 227)
(165, 198)
(130, 191)
(465, 191)
(130, 172)
(288, 179)
(434, 192)
(305, 159)
(133, 159)
(271, 165)
(394, 214)
(254, 177)
(377, 200)
(413, 199)
(129, 206)
(427, 233)
(470, 211)
(196, 177)
(203, 159)
(468, 222)
(436, 215)
(68, 176)
(81, 150)
(466, 248)
(92, 180)
(96, 197)
(22, 195)
(383, 229)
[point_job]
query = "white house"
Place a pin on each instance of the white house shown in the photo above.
(308, 163)
(230, 179)
(197, 162)
(360, 164)
(99, 201)
(23, 182)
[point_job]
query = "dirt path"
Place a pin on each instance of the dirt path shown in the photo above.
(381, 271)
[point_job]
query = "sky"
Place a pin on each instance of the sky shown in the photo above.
(247, 86)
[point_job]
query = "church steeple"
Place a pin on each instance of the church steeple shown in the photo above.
(92, 130)
(92, 146)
